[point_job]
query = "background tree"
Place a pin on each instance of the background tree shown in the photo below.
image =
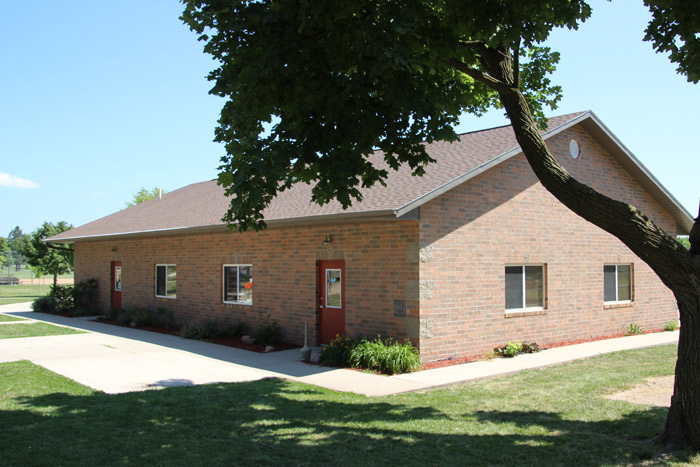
(313, 88)
(16, 239)
(144, 195)
(45, 260)
(4, 252)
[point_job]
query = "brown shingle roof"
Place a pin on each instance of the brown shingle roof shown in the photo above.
(202, 205)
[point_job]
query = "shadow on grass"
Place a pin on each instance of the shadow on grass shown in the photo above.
(276, 422)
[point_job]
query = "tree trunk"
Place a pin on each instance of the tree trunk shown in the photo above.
(677, 268)
(683, 419)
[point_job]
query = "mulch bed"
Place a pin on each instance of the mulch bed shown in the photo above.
(459, 361)
(227, 341)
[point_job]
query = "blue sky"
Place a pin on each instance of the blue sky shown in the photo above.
(99, 99)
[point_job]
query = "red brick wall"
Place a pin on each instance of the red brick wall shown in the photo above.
(504, 216)
(378, 262)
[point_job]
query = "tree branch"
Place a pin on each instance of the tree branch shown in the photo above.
(478, 75)
(516, 65)
(671, 262)
(694, 237)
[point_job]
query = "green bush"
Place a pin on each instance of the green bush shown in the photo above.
(268, 332)
(142, 318)
(164, 318)
(113, 314)
(85, 298)
(672, 325)
(62, 299)
(43, 305)
(337, 353)
(388, 357)
(125, 317)
(530, 347)
(234, 330)
(510, 350)
(205, 330)
(633, 329)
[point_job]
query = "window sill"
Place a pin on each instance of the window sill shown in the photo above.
(238, 303)
(610, 305)
(166, 298)
(525, 312)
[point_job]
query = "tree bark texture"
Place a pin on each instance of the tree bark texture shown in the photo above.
(677, 268)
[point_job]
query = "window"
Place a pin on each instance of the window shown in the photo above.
(617, 283)
(238, 283)
(166, 277)
(333, 288)
(118, 278)
(525, 287)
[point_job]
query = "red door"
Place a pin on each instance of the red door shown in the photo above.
(331, 299)
(116, 284)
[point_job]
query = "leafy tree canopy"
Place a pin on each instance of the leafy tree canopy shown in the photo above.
(45, 260)
(314, 87)
(4, 251)
(16, 239)
(144, 195)
(675, 29)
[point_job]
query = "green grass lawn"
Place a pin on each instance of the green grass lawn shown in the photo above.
(25, 273)
(10, 331)
(554, 416)
(6, 318)
(22, 293)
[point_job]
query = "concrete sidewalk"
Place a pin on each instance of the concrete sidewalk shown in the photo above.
(115, 359)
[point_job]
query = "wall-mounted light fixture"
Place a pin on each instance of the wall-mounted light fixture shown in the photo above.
(114, 248)
(327, 240)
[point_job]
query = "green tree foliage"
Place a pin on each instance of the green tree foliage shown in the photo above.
(145, 194)
(675, 29)
(4, 251)
(16, 239)
(312, 88)
(46, 260)
(685, 242)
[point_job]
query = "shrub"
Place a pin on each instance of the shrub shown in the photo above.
(268, 332)
(511, 349)
(530, 347)
(113, 314)
(205, 330)
(389, 358)
(672, 325)
(62, 298)
(142, 317)
(633, 329)
(164, 318)
(43, 305)
(337, 353)
(234, 330)
(125, 317)
(85, 297)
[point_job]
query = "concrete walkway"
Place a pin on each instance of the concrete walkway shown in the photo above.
(115, 359)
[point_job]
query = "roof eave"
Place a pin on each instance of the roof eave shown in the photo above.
(319, 220)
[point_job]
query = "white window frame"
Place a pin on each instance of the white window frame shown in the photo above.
(340, 272)
(170, 297)
(524, 291)
(617, 279)
(238, 282)
(117, 278)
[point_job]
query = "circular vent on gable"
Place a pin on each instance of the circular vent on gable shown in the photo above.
(573, 149)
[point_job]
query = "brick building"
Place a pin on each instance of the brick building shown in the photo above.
(471, 255)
